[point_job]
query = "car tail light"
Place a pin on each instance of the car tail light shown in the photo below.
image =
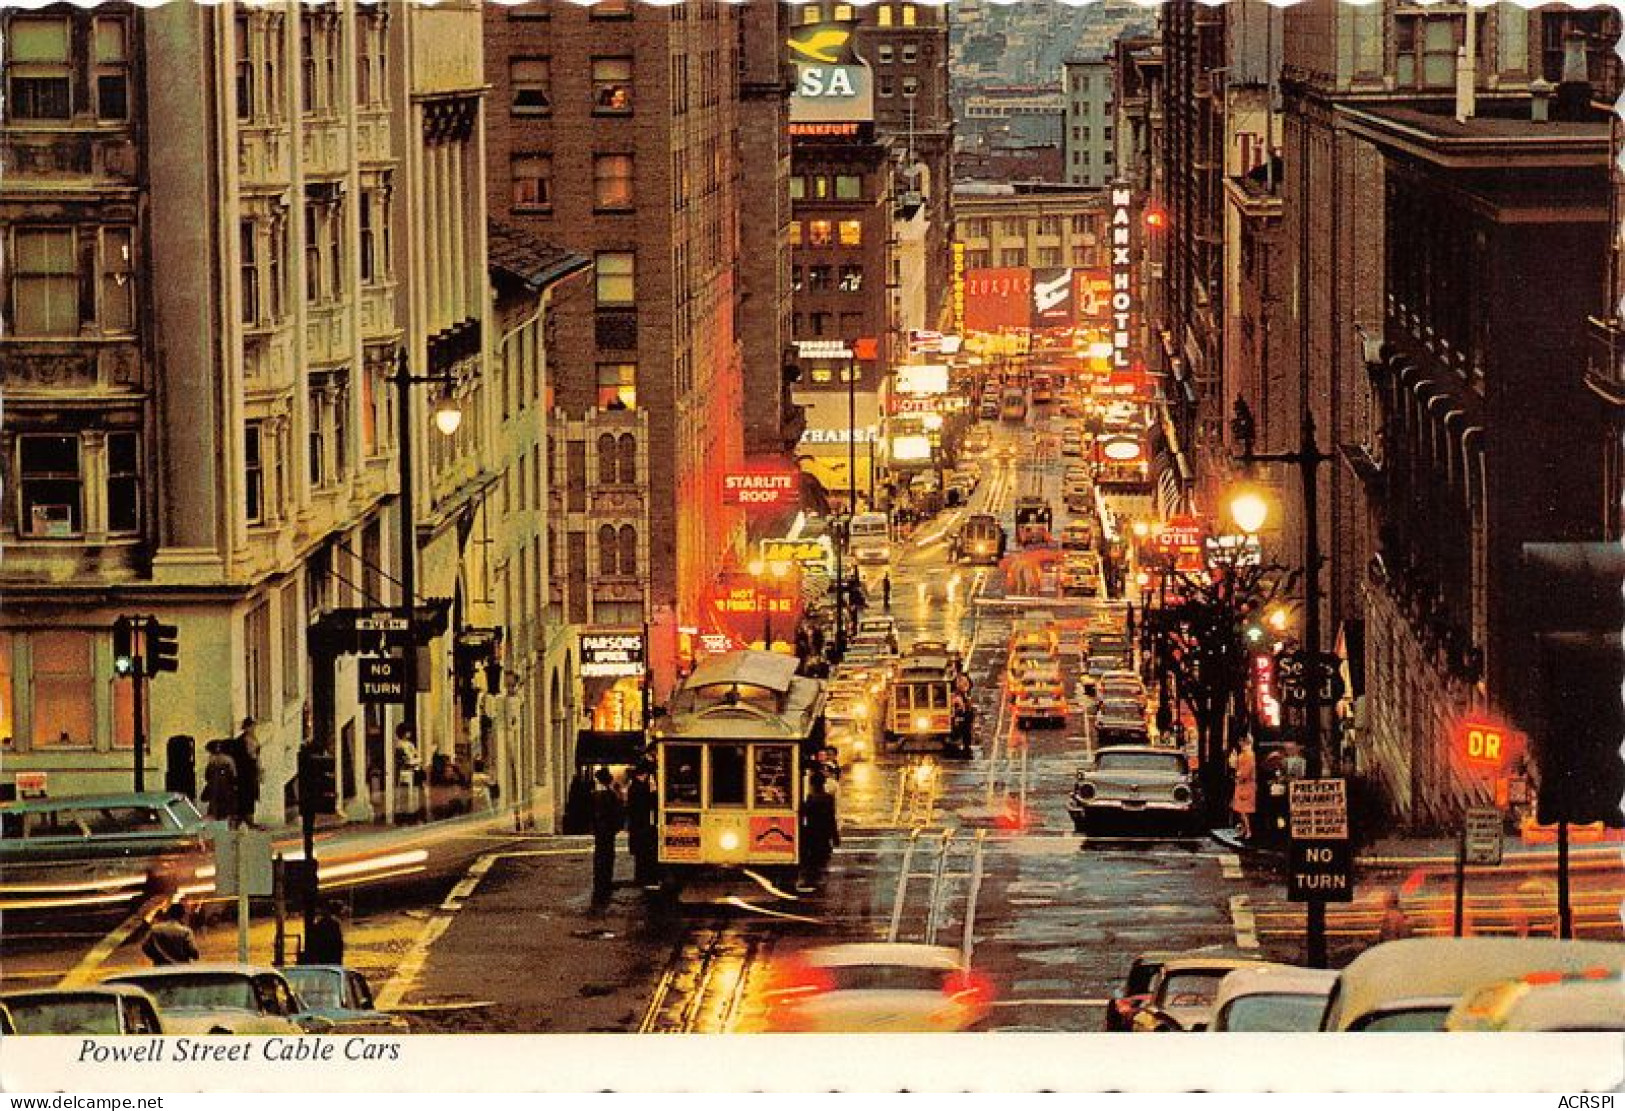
(970, 988)
(797, 980)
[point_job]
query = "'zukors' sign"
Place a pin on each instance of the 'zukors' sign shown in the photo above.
(1122, 276)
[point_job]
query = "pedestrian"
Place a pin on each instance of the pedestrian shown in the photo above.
(885, 591)
(819, 833)
(220, 783)
(854, 592)
(408, 769)
(1395, 924)
(171, 941)
(640, 827)
(608, 816)
(325, 945)
(818, 640)
(1244, 795)
(245, 751)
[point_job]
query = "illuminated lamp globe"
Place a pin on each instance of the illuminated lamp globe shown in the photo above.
(756, 568)
(448, 418)
(1249, 511)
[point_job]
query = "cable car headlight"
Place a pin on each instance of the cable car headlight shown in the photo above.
(729, 840)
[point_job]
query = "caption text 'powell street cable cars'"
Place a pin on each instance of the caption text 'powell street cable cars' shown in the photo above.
(731, 755)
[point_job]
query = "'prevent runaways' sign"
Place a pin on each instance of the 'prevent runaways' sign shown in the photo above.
(1320, 810)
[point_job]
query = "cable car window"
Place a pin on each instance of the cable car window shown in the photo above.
(683, 775)
(727, 775)
(772, 777)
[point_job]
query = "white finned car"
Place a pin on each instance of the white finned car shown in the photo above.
(1274, 998)
(204, 998)
(875, 987)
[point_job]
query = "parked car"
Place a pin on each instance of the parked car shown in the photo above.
(874, 987)
(1592, 1000)
(1272, 998)
(1185, 991)
(115, 843)
(102, 1009)
(224, 999)
(341, 996)
(1412, 984)
(1134, 781)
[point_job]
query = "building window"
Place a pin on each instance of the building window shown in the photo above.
(372, 58)
(293, 628)
(628, 544)
(820, 233)
(1555, 28)
(118, 281)
(276, 269)
(617, 284)
(976, 228)
(611, 86)
(1426, 49)
(370, 269)
(612, 183)
(911, 53)
(37, 71)
(249, 265)
(911, 87)
(64, 696)
(617, 385)
(848, 187)
(257, 660)
(909, 15)
(1080, 225)
(1016, 227)
(820, 187)
(50, 485)
(795, 233)
(532, 83)
(318, 455)
(1013, 256)
(883, 16)
(798, 188)
(883, 53)
(253, 472)
(245, 68)
(797, 279)
(313, 254)
(606, 459)
(627, 450)
(851, 233)
(112, 70)
(611, 9)
(843, 14)
(851, 279)
(609, 550)
(1049, 256)
(532, 182)
(45, 283)
(274, 67)
(123, 482)
(812, 13)
(977, 260)
(819, 277)
(887, 86)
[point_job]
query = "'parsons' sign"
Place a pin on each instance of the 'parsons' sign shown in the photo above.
(761, 489)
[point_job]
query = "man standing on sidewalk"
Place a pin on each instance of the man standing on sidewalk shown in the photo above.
(640, 827)
(608, 816)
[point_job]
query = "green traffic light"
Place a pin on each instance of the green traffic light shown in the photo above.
(124, 665)
(1254, 633)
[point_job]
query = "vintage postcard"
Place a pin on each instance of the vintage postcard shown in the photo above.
(890, 534)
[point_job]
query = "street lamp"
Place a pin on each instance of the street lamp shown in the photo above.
(1249, 511)
(448, 416)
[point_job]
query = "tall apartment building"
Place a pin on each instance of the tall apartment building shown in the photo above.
(1034, 226)
(616, 133)
(226, 223)
(1089, 140)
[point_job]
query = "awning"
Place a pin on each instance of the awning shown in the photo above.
(600, 746)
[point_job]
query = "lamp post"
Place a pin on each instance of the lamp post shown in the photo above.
(447, 418)
(1307, 459)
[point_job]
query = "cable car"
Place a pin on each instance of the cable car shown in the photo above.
(730, 756)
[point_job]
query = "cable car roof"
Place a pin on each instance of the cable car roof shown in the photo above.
(770, 670)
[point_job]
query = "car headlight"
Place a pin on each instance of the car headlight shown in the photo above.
(1182, 793)
(921, 721)
(1086, 790)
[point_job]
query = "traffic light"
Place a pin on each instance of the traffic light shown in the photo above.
(163, 644)
(318, 782)
(124, 658)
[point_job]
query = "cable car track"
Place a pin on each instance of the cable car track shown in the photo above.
(705, 979)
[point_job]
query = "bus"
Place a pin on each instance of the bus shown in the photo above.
(1014, 405)
(869, 539)
(730, 756)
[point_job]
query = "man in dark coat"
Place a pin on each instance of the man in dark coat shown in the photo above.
(171, 941)
(608, 816)
(640, 827)
(326, 942)
(245, 752)
(819, 833)
(220, 783)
